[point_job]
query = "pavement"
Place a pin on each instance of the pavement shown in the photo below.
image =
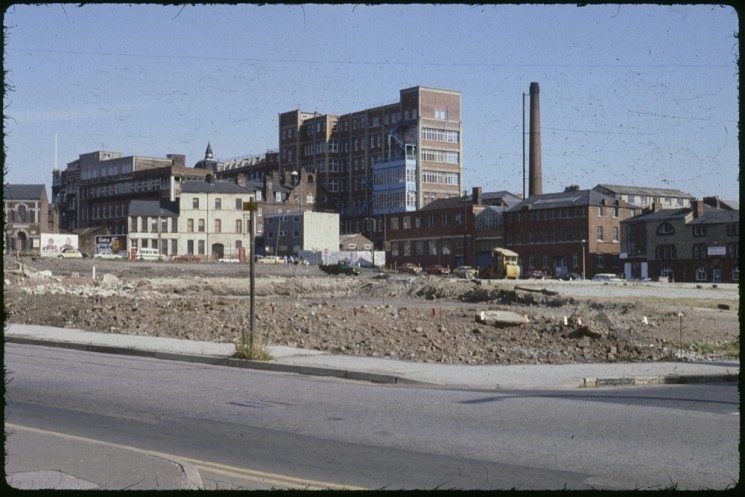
(39, 459)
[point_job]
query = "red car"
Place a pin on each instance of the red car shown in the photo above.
(437, 269)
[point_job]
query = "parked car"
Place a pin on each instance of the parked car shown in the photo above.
(70, 254)
(185, 258)
(409, 267)
(340, 268)
(568, 276)
(466, 272)
(107, 255)
(607, 278)
(271, 259)
(534, 274)
(437, 269)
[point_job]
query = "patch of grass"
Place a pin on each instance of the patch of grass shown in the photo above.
(251, 353)
(729, 348)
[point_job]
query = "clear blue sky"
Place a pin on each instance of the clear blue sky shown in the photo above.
(634, 95)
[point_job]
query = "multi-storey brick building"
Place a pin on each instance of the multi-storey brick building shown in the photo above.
(574, 231)
(388, 159)
(96, 188)
(26, 210)
(697, 243)
(456, 231)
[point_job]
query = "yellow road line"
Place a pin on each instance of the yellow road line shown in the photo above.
(273, 478)
(245, 473)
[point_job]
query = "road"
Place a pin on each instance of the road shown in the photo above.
(255, 430)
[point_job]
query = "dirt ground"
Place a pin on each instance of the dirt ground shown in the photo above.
(418, 318)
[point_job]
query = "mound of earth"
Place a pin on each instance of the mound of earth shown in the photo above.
(416, 318)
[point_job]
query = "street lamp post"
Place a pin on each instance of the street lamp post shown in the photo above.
(583, 258)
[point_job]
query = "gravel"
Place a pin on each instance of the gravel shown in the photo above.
(417, 318)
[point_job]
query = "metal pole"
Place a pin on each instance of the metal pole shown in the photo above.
(252, 277)
(583, 259)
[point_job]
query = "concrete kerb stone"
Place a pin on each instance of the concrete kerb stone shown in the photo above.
(657, 380)
(218, 361)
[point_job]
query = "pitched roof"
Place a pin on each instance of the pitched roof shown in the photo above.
(711, 215)
(153, 208)
(23, 192)
(219, 186)
(644, 190)
(567, 199)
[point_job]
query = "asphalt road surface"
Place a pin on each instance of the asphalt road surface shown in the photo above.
(257, 430)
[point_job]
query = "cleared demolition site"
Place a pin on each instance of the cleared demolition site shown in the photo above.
(436, 319)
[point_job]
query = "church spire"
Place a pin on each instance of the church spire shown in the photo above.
(208, 152)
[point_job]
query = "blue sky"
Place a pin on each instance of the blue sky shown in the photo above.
(629, 94)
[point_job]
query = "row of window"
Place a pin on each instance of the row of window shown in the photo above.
(142, 224)
(601, 260)
(443, 246)
(442, 156)
(20, 214)
(405, 222)
(561, 235)
(698, 230)
(440, 135)
(394, 200)
(124, 187)
(701, 273)
(699, 251)
(104, 171)
(440, 177)
(217, 204)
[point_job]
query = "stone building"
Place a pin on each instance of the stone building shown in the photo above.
(206, 220)
(699, 243)
(26, 210)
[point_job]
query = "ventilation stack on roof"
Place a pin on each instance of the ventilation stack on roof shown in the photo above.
(535, 186)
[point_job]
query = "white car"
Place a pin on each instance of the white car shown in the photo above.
(271, 259)
(467, 272)
(107, 255)
(607, 278)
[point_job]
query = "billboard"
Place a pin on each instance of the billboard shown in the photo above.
(111, 245)
(54, 243)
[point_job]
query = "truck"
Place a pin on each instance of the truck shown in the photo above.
(503, 265)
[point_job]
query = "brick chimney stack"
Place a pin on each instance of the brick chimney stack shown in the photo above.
(535, 184)
(476, 197)
(698, 208)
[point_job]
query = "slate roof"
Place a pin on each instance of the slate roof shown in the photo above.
(219, 186)
(643, 190)
(154, 208)
(567, 199)
(23, 192)
(711, 215)
(486, 199)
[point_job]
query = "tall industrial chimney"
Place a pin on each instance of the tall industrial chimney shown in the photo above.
(535, 182)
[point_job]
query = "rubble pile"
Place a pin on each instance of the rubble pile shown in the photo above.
(443, 320)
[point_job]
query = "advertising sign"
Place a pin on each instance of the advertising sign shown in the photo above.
(111, 245)
(52, 244)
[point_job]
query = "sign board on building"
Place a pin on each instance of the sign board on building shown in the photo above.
(710, 251)
(54, 243)
(251, 206)
(111, 245)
